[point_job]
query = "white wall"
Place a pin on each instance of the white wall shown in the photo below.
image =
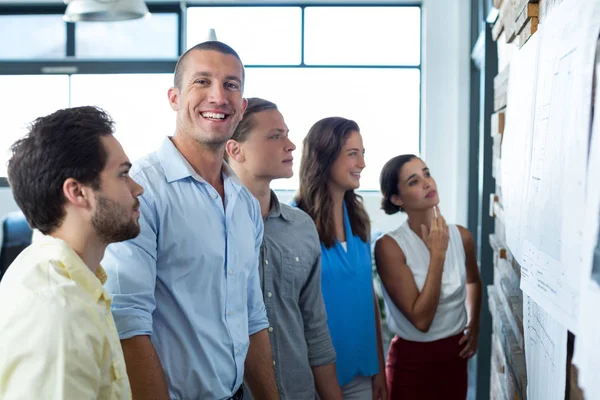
(445, 115)
(445, 122)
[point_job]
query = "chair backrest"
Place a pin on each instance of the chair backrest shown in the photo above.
(16, 236)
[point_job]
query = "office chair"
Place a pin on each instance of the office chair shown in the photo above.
(16, 236)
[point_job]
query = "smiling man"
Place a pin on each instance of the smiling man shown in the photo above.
(187, 298)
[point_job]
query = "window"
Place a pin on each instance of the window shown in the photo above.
(138, 104)
(32, 37)
(362, 63)
(359, 62)
(383, 102)
(362, 35)
(26, 98)
(151, 38)
(260, 35)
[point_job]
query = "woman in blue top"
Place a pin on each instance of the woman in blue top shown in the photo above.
(332, 160)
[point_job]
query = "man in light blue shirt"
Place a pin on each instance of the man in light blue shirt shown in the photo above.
(186, 296)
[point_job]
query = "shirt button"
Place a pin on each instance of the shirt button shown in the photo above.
(297, 259)
(230, 272)
(214, 195)
(270, 329)
(267, 262)
(274, 362)
(269, 294)
(228, 312)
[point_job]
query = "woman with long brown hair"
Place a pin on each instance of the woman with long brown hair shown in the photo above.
(332, 160)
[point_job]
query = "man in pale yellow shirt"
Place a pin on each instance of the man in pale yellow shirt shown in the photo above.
(70, 177)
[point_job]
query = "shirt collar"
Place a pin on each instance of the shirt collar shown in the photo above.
(176, 167)
(277, 210)
(76, 269)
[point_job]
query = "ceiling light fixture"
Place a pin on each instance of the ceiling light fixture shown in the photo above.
(104, 10)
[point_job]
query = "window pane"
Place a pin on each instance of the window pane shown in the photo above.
(387, 113)
(362, 35)
(32, 36)
(137, 103)
(153, 37)
(30, 97)
(260, 35)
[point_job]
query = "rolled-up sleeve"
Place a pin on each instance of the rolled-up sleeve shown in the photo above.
(312, 307)
(131, 270)
(257, 314)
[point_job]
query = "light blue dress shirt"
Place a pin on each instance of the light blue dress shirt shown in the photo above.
(190, 279)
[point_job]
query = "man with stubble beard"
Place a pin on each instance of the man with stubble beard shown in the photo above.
(58, 340)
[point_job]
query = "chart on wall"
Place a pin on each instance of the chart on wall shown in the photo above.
(545, 352)
(587, 343)
(516, 142)
(551, 235)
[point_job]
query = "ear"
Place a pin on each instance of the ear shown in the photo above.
(76, 193)
(395, 199)
(234, 151)
(244, 105)
(173, 94)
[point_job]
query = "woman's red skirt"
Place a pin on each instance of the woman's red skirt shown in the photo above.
(426, 370)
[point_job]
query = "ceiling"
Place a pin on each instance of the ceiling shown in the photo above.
(221, 2)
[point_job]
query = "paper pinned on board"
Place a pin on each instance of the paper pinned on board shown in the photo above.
(587, 341)
(545, 353)
(516, 141)
(550, 274)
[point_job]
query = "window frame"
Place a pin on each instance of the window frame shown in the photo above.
(70, 65)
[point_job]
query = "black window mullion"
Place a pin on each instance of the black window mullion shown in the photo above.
(182, 37)
(70, 39)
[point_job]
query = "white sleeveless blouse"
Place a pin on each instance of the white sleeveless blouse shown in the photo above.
(451, 315)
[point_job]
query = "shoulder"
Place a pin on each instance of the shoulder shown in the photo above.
(147, 166)
(465, 235)
(250, 202)
(148, 171)
(244, 194)
(60, 307)
(37, 271)
(302, 226)
(247, 197)
(467, 240)
(387, 246)
(296, 215)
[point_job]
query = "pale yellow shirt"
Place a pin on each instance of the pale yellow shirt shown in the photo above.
(57, 335)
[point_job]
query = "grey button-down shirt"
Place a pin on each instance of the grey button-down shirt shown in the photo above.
(290, 277)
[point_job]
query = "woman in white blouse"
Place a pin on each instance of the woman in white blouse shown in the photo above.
(431, 288)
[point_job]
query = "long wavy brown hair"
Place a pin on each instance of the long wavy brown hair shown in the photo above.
(321, 147)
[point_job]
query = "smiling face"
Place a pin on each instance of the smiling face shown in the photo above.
(209, 103)
(416, 187)
(346, 169)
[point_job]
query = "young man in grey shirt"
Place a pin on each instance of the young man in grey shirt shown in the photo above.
(290, 259)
